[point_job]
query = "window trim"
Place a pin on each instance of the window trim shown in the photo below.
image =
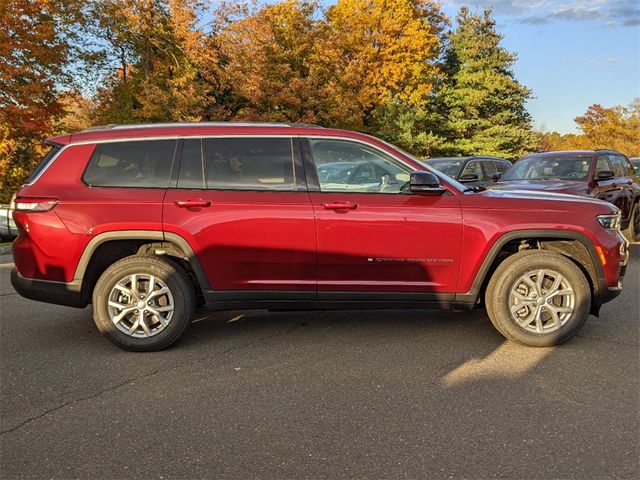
(60, 148)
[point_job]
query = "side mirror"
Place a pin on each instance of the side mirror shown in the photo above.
(425, 183)
(605, 175)
(496, 176)
(468, 177)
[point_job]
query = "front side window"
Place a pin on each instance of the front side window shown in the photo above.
(602, 165)
(473, 169)
(451, 168)
(549, 168)
(250, 164)
(345, 166)
(143, 164)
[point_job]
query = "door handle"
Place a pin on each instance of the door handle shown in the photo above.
(193, 203)
(340, 206)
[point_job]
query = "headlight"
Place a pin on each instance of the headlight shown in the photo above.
(610, 222)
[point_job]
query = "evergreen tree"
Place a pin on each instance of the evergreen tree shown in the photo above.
(483, 105)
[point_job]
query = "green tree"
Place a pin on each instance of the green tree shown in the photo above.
(482, 104)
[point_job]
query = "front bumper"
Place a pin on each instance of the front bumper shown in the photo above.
(59, 293)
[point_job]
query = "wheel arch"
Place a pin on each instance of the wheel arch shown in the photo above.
(95, 257)
(564, 242)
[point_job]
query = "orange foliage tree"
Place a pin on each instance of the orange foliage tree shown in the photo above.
(34, 49)
(615, 127)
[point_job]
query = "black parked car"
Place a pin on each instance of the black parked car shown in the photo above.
(476, 170)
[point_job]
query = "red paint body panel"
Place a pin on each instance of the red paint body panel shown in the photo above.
(248, 240)
(389, 242)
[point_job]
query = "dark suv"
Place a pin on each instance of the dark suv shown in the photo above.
(147, 222)
(472, 171)
(604, 174)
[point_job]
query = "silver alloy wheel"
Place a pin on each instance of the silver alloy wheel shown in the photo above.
(541, 301)
(140, 305)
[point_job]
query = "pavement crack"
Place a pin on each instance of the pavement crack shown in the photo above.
(77, 400)
(141, 377)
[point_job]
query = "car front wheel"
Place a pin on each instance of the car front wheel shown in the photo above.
(538, 298)
(143, 303)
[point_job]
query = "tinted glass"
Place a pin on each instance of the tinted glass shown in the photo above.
(617, 165)
(43, 163)
(503, 166)
(490, 169)
(250, 163)
(550, 168)
(450, 168)
(473, 168)
(602, 165)
(144, 164)
(345, 166)
(191, 173)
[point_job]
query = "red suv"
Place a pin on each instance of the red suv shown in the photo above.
(147, 222)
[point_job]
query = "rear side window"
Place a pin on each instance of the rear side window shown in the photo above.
(142, 164)
(250, 164)
(43, 163)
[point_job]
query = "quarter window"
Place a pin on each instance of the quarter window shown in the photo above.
(345, 166)
(250, 164)
(143, 164)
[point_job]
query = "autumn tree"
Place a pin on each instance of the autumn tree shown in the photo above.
(483, 105)
(35, 45)
(601, 127)
(266, 63)
(377, 59)
(165, 65)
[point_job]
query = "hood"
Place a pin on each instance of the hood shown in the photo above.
(546, 196)
(572, 187)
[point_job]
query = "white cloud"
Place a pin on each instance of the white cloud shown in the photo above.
(610, 12)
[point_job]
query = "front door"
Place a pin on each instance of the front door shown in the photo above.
(372, 235)
(242, 204)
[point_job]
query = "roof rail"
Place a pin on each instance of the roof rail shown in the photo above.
(199, 124)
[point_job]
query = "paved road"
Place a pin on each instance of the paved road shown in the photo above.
(319, 395)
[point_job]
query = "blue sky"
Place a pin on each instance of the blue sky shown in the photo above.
(571, 53)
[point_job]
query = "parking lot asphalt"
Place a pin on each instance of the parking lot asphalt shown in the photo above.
(319, 395)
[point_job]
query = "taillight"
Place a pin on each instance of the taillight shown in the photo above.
(26, 204)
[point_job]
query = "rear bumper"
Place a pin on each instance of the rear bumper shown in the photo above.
(59, 293)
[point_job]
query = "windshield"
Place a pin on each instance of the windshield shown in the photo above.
(450, 168)
(549, 168)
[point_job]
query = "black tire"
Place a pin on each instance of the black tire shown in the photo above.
(166, 273)
(508, 276)
(632, 233)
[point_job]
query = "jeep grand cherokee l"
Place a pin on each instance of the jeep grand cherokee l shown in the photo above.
(147, 222)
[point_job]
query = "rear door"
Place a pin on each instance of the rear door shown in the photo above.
(379, 240)
(242, 204)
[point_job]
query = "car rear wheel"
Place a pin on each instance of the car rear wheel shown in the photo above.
(143, 303)
(632, 233)
(538, 298)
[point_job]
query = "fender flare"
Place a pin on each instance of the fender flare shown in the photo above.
(599, 285)
(157, 236)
